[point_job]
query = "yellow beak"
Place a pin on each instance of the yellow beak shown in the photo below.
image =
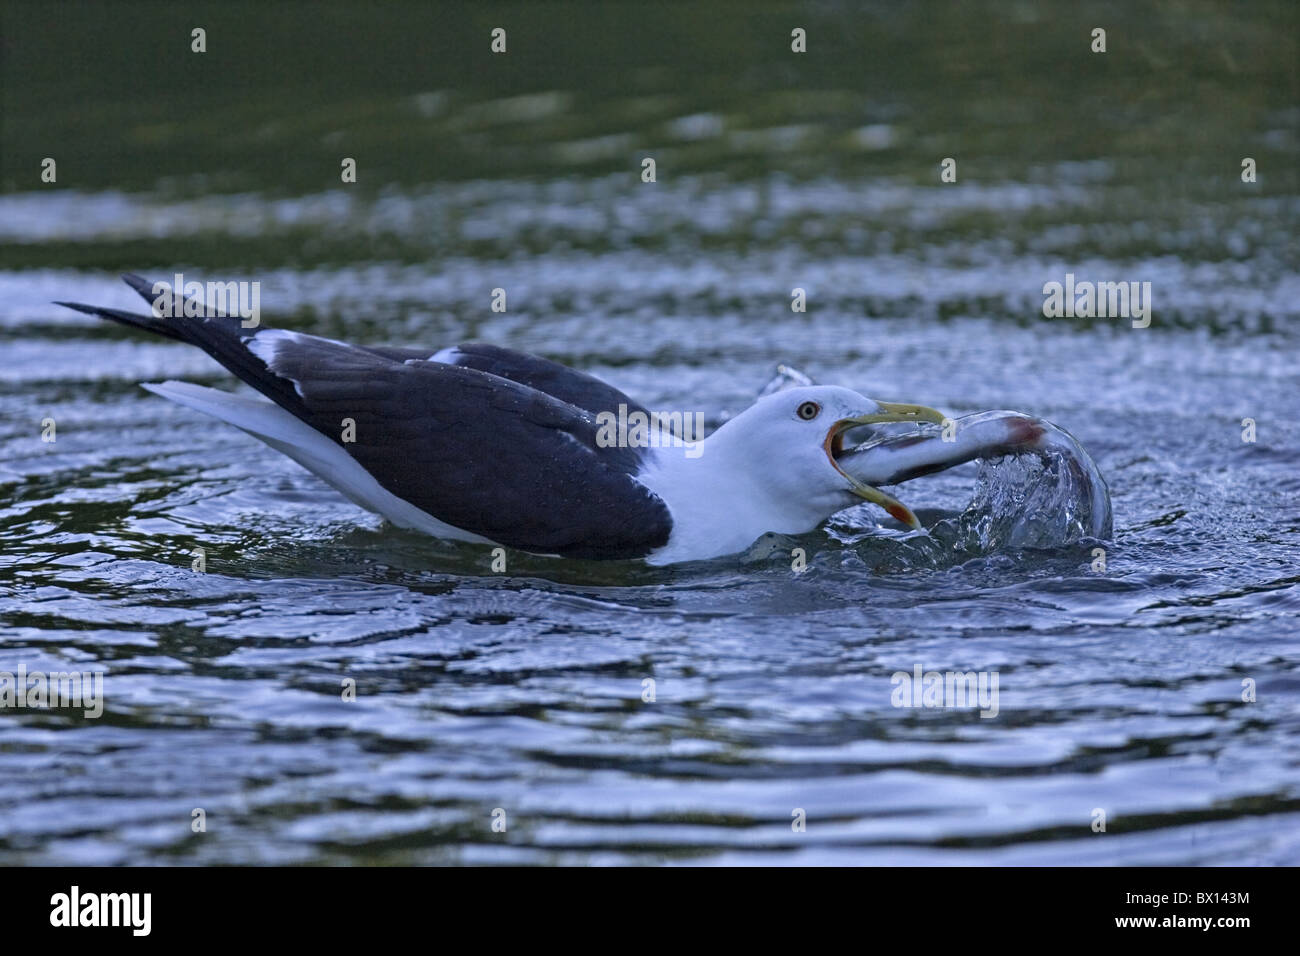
(887, 412)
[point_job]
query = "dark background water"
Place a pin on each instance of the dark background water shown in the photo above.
(1120, 690)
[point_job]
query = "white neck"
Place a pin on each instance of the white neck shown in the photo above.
(719, 501)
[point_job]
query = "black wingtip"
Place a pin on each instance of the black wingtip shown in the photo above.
(149, 323)
(79, 306)
(140, 284)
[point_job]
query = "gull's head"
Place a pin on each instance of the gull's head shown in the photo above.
(794, 439)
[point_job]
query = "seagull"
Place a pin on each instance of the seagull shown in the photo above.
(486, 444)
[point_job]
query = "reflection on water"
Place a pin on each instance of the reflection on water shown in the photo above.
(1120, 689)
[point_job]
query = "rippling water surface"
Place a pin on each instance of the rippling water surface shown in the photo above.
(1121, 689)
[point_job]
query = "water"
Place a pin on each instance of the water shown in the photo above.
(1120, 689)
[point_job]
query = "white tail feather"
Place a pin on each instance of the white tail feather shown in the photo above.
(286, 433)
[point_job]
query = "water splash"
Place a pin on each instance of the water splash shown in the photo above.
(1052, 496)
(1026, 502)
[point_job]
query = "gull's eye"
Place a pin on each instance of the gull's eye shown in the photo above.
(808, 411)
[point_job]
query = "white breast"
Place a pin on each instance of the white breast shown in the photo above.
(718, 507)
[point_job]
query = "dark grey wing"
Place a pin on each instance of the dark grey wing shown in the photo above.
(478, 451)
(568, 385)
